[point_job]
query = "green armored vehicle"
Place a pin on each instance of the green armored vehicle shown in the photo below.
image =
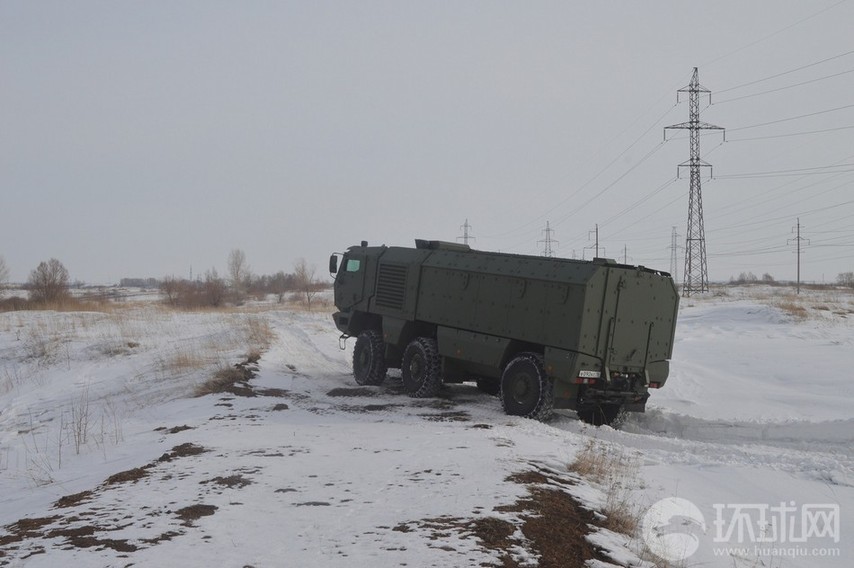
(543, 333)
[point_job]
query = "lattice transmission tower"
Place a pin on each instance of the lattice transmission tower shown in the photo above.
(549, 244)
(466, 236)
(696, 270)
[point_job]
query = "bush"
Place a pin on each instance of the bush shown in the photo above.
(14, 304)
(846, 279)
(744, 278)
(210, 292)
(305, 281)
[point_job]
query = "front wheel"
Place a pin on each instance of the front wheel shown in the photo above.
(526, 389)
(421, 368)
(369, 367)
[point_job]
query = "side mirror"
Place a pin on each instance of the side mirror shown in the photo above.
(333, 264)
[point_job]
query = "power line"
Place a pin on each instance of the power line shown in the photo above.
(769, 36)
(776, 190)
(832, 169)
(603, 190)
(801, 68)
(663, 207)
(790, 118)
(791, 134)
(612, 184)
(599, 173)
(640, 201)
(809, 198)
(784, 88)
(753, 223)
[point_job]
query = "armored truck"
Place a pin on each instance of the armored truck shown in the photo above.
(539, 332)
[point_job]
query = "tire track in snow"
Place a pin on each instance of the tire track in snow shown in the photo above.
(815, 451)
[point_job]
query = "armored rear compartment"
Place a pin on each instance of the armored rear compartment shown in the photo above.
(542, 332)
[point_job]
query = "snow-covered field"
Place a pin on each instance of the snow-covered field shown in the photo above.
(107, 458)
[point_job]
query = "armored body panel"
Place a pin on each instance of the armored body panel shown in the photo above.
(602, 332)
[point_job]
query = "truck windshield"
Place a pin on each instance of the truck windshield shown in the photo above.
(353, 265)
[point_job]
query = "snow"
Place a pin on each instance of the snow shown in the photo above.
(317, 471)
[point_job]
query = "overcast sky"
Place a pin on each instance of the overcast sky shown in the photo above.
(145, 138)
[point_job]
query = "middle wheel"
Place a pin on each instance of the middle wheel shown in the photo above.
(526, 389)
(422, 368)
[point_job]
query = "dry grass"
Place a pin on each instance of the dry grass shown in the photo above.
(297, 302)
(46, 338)
(794, 309)
(616, 472)
(231, 379)
(826, 305)
(70, 304)
(829, 304)
(184, 362)
(222, 380)
(259, 334)
(173, 352)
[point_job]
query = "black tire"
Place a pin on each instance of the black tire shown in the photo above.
(489, 386)
(599, 414)
(369, 366)
(421, 368)
(526, 389)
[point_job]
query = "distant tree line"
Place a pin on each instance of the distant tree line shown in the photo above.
(214, 291)
(49, 285)
(750, 278)
(843, 279)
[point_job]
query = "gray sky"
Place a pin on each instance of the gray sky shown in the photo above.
(143, 138)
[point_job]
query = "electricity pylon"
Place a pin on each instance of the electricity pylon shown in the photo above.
(696, 270)
(548, 242)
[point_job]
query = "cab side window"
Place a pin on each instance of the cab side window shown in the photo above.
(353, 265)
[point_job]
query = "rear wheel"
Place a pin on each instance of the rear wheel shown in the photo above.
(421, 368)
(369, 366)
(526, 389)
(599, 414)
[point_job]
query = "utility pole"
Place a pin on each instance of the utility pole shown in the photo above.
(466, 235)
(548, 249)
(674, 255)
(797, 240)
(595, 232)
(696, 270)
(625, 254)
